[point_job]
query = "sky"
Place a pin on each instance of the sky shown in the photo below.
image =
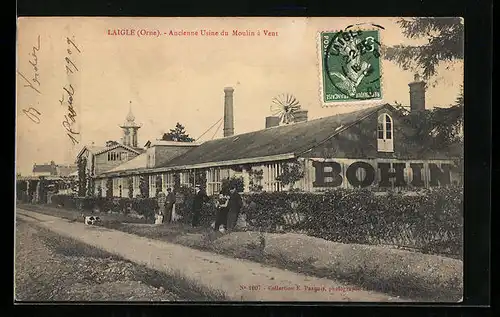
(170, 79)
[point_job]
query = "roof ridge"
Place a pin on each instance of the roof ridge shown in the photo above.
(213, 148)
(303, 122)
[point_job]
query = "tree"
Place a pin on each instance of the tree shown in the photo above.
(177, 134)
(445, 44)
(82, 177)
(440, 128)
(109, 188)
(144, 186)
(110, 143)
(130, 187)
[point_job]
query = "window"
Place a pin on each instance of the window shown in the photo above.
(272, 171)
(152, 185)
(151, 157)
(123, 156)
(184, 179)
(124, 183)
(214, 182)
(385, 132)
(114, 156)
(116, 187)
(137, 181)
(167, 181)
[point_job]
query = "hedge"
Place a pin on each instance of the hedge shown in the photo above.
(143, 206)
(431, 222)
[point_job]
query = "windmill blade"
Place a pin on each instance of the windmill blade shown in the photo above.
(295, 103)
(278, 102)
(277, 112)
(282, 117)
(276, 109)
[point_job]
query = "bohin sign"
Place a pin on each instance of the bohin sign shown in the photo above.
(365, 173)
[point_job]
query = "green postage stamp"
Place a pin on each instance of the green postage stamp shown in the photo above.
(350, 66)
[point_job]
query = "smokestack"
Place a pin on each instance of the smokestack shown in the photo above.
(272, 122)
(300, 116)
(228, 112)
(417, 94)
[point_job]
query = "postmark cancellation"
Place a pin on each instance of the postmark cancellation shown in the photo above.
(350, 66)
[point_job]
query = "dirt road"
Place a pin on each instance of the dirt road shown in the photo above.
(49, 267)
(238, 279)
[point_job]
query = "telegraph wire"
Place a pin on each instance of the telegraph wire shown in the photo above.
(208, 129)
(213, 136)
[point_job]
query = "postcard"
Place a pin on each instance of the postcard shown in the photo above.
(239, 159)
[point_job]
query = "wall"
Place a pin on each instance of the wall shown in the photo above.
(164, 154)
(102, 164)
(322, 174)
(63, 170)
(41, 174)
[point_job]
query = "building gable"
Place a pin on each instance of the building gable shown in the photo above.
(361, 140)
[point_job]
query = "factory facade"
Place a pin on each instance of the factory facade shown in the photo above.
(366, 148)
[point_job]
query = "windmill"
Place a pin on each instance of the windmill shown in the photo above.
(285, 107)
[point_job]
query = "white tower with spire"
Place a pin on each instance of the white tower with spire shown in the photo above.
(130, 129)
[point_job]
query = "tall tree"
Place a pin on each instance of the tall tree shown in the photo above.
(440, 128)
(177, 134)
(445, 43)
(82, 176)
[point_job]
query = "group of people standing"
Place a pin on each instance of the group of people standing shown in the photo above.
(228, 203)
(166, 205)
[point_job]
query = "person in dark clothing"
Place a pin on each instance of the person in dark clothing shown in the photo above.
(235, 204)
(169, 205)
(200, 197)
(222, 209)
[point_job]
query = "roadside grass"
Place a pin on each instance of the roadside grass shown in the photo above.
(173, 281)
(370, 267)
(372, 276)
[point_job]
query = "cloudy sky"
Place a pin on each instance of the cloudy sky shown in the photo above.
(177, 79)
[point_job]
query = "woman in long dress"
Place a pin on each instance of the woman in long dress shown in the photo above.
(161, 207)
(222, 209)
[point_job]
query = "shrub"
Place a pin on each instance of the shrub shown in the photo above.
(255, 182)
(431, 222)
(291, 173)
(109, 188)
(234, 181)
(130, 187)
(184, 208)
(143, 206)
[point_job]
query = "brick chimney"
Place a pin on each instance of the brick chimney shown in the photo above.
(228, 112)
(300, 116)
(272, 122)
(417, 94)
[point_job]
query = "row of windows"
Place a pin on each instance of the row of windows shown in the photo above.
(117, 156)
